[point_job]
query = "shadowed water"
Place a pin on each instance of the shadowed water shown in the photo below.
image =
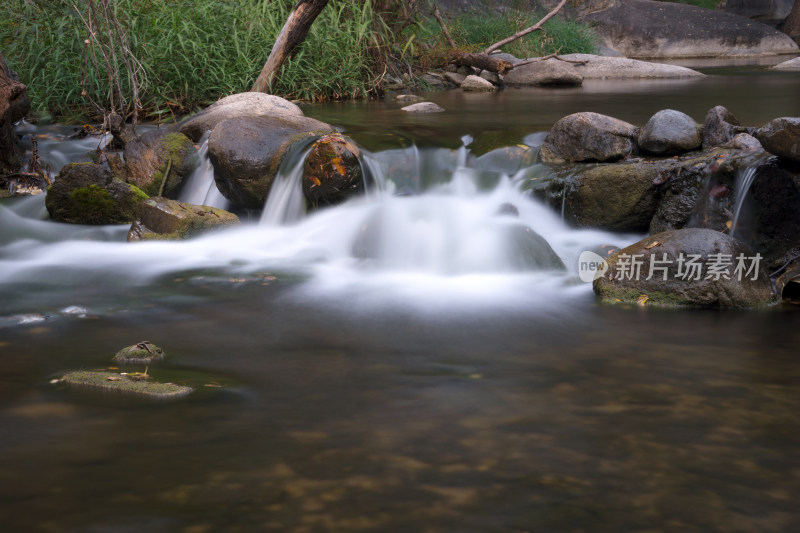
(356, 384)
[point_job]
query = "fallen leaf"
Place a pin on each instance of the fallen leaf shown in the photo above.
(642, 300)
(653, 245)
(114, 378)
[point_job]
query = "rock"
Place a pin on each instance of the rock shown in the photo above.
(648, 29)
(507, 159)
(423, 107)
(122, 132)
(454, 78)
(249, 104)
(85, 193)
(163, 219)
(474, 83)
(720, 127)
(157, 162)
(137, 384)
(619, 197)
(548, 72)
(792, 64)
(529, 251)
(144, 352)
(596, 66)
(409, 98)
(332, 171)
(465, 70)
(771, 12)
(433, 79)
(14, 105)
(781, 137)
(490, 76)
(246, 153)
(588, 137)
(669, 132)
(744, 142)
(689, 267)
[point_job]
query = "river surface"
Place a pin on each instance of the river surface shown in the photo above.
(433, 387)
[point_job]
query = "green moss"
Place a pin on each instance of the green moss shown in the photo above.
(615, 295)
(93, 201)
(123, 383)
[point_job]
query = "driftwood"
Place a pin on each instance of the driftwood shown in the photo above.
(293, 33)
(485, 61)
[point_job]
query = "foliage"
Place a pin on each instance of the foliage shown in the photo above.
(193, 51)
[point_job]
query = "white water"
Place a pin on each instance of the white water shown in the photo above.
(200, 188)
(286, 203)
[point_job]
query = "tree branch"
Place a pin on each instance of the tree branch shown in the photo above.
(535, 27)
(439, 18)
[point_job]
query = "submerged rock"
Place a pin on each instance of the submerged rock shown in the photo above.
(781, 137)
(248, 104)
(547, 72)
(669, 132)
(139, 353)
(332, 171)
(138, 384)
(588, 137)
(688, 267)
(247, 152)
(85, 193)
(157, 162)
(163, 219)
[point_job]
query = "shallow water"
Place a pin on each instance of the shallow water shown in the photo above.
(411, 391)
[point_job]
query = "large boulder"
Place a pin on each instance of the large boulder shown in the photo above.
(332, 172)
(588, 137)
(648, 29)
(250, 104)
(157, 162)
(246, 153)
(164, 219)
(85, 193)
(669, 132)
(688, 267)
(14, 105)
(781, 137)
(548, 72)
(720, 127)
(604, 67)
(617, 197)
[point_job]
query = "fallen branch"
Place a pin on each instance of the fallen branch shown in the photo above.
(439, 18)
(535, 27)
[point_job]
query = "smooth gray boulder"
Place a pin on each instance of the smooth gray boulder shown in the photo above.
(423, 107)
(771, 12)
(604, 67)
(648, 29)
(473, 83)
(669, 132)
(588, 136)
(249, 104)
(246, 153)
(720, 126)
(686, 267)
(791, 65)
(781, 137)
(548, 72)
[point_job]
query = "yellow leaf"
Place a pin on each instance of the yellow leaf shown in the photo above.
(642, 300)
(315, 181)
(339, 165)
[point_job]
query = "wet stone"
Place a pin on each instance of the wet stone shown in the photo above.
(140, 353)
(136, 384)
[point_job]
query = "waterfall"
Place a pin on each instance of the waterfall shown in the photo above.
(200, 188)
(744, 180)
(285, 202)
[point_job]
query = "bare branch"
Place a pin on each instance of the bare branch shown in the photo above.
(535, 27)
(439, 18)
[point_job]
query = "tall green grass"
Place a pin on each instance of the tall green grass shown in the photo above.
(193, 51)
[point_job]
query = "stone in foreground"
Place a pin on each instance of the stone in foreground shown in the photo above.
(781, 137)
(686, 267)
(332, 172)
(141, 353)
(588, 136)
(163, 219)
(138, 385)
(669, 132)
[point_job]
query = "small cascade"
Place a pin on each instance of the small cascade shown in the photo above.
(200, 188)
(285, 202)
(744, 180)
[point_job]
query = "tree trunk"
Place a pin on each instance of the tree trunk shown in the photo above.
(483, 62)
(292, 34)
(14, 106)
(791, 26)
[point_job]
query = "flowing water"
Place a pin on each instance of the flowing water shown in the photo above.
(394, 363)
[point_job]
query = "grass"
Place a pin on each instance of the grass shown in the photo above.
(193, 51)
(474, 31)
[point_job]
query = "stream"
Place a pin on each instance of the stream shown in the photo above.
(432, 383)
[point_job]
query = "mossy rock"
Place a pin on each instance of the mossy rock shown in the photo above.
(126, 384)
(155, 156)
(163, 219)
(85, 193)
(140, 353)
